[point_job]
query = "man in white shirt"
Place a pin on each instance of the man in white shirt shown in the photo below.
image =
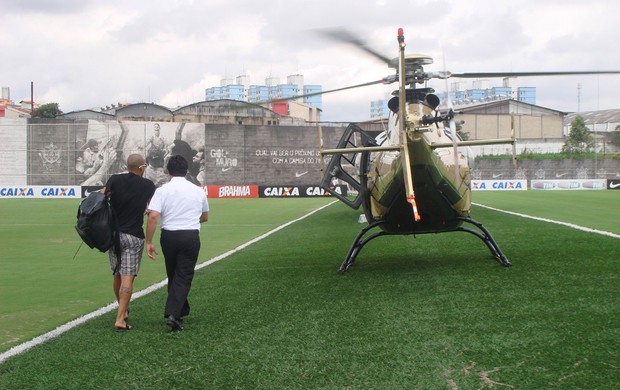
(183, 206)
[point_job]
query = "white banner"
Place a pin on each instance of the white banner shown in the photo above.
(592, 184)
(40, 192)
(498, 185)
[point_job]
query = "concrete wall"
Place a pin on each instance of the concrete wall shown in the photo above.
(546, 169)
(65, 152)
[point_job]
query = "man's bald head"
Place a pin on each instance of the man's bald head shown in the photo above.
(135, 162)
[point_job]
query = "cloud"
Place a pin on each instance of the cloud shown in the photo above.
(88, 54)
(46, 7)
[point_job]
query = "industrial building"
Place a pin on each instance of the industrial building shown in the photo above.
(242, 89)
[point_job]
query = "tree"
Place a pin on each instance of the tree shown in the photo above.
(459, 130)
(579, 139)
(49, 110)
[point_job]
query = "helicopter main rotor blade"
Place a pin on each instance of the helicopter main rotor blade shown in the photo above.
(382, 81)
(346, 37)
(526, 74)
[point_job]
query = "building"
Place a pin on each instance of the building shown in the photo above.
(602, 121)
(482, 91)
(601, 124)
(537, 129)
(223, 111)
(8, 109)
(233, 112)
(379, 108)
(242, 89)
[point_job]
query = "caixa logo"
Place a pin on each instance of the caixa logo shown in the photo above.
(16, 192)
(280, 192)
(58, 192)
(299, 191)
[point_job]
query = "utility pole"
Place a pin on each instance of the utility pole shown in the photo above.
(578, 97)
(32, 99)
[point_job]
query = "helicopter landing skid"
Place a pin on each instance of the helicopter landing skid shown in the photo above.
(359, 243)
(486, 237)
(483, 234)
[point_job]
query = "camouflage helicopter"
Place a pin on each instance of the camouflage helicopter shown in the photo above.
(412, 178)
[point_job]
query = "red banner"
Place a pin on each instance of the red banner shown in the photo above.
(232, 191)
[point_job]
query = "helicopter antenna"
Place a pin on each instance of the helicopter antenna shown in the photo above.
(402, 109)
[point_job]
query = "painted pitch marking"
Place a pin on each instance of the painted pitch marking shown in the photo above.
(570, 225)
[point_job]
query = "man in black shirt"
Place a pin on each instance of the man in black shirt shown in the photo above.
(130, 194)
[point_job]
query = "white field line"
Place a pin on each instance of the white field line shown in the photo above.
(99, 312)
(570, 225)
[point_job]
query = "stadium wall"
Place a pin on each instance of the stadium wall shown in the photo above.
(86, 153)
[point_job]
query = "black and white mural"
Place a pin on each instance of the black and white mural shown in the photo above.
(88, 152)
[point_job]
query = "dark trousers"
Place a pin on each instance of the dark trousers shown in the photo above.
(180, 249)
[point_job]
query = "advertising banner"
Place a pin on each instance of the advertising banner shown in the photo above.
(40, 192)
(498, 185)
(297, 191)
(613, 184)
(592, 184)
(232, 191)
(86, 190)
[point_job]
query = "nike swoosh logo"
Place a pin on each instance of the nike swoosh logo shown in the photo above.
(557, 176)
(226, 169)
(86, 193)
(300, 174)
(498, 175)
(614, 185)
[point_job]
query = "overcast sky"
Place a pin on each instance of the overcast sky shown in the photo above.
(85, 54)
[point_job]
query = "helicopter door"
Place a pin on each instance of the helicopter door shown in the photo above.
(345, 167)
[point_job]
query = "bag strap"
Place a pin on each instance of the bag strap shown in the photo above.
(115, 236)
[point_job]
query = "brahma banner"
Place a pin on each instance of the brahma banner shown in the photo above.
(232, 191)
(498, 185)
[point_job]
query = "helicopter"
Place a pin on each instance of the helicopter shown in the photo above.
(412, 178)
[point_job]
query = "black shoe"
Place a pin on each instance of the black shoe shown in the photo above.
(173, 323)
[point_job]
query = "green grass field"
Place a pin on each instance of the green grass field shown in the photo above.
(43, 286)
(435, 311)
(593, 209)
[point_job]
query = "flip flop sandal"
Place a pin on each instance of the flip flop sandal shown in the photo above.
(121, 329)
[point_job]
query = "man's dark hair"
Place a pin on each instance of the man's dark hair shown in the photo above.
(177, 166)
